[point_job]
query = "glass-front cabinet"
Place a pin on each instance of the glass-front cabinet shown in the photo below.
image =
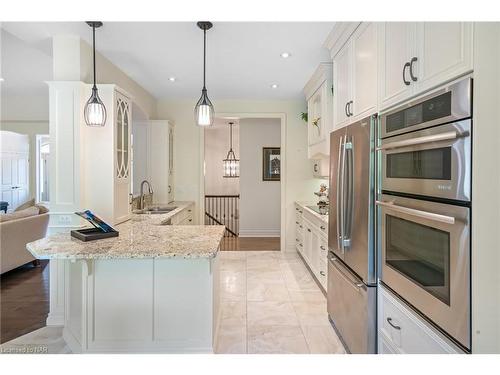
(122, 151)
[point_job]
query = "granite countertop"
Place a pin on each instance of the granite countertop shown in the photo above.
(315, 214)
(141, 237)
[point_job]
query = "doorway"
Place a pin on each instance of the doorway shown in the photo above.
(249, 205)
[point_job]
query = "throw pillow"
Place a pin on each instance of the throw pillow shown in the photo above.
(25, 205)
(27, 212)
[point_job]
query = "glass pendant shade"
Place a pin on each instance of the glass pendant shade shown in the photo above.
(95, 111)
(204, 110)
(231, 165)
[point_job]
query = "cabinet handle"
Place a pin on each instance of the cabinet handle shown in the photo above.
(297, 240)
(301, 245)
(296, 222)
(413, 61)
(389, 320)
(407, 65)
(349, 108)
(190, 220)
(300, 212)
(345, 109)
(296, 209)
(301, 226)
(169, 189)
(308, 229)
(322, 227)
(321, 273)
(322, 247)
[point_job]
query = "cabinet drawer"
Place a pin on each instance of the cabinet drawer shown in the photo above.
(406, 331)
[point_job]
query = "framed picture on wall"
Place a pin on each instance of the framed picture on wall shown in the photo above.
(271, 163)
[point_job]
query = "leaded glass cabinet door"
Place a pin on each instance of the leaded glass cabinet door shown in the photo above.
(123, 108)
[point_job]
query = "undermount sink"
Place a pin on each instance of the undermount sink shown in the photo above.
(155, 210)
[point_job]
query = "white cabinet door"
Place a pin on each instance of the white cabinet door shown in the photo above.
(444, 52)
(171, 174)
(396, 48)
(364, 50)
(342, 85)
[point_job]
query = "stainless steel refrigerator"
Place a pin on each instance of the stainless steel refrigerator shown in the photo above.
(352, 281)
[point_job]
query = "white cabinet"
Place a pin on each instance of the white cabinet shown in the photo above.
(171, 174)
(396, 40)
(311, 238)
(161, 140)
(122, 129)
(107, 158)
(342, 86)
(403, 331)
(355, 76)
(444, 52)
(184, 217)
(417, 56)
(318, 92)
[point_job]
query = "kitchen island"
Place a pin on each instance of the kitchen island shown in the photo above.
(152, 289)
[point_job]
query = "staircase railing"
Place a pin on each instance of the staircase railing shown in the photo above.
(223, 210)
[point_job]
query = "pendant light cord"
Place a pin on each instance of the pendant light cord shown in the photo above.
(93, 49)
(231, 136)
(204, 56)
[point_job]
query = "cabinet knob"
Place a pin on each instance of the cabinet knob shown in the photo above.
(300, 211)
(308, 230)
(296, 209)
(297, 239)
(296, 222)
(321, 273)
(412, 76)
(301, 226)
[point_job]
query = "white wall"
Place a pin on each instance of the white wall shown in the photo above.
(259, 200)
(299, 183)
(216, 148)
(31, 129)
(486, 190)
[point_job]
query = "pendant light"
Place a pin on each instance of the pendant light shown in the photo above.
(204, 110)
(95, 111)
(230, 163)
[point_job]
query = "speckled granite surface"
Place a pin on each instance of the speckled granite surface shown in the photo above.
(139, 237)
(304, 206)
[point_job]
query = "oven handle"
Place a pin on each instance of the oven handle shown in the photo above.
(418, 213)
(420, 140)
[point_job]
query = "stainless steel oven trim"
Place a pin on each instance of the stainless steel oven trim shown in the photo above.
(461, 107)
(454, 318)
(455, 135)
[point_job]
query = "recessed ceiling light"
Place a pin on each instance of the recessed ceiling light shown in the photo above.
(285, 55)
(172, 79)
(274, 86)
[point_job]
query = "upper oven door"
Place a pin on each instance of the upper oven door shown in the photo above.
(426, 259)
(450, 103)
(433, 162)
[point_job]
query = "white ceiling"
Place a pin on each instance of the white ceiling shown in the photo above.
(243, 58)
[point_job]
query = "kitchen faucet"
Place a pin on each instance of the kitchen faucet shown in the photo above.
(141, 197)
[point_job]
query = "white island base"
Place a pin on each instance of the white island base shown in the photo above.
(155, 305)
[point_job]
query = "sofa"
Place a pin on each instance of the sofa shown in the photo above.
(18, 229)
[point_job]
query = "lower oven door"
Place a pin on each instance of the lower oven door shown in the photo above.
(432, 162)
(426, 259)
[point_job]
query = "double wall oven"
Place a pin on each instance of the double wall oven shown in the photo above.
(424, 204)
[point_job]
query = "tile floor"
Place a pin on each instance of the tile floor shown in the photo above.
(269, 304)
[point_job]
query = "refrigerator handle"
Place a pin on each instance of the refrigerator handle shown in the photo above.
(340, 195)
(349, 206)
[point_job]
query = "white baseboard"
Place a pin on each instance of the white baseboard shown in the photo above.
(259, 233)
